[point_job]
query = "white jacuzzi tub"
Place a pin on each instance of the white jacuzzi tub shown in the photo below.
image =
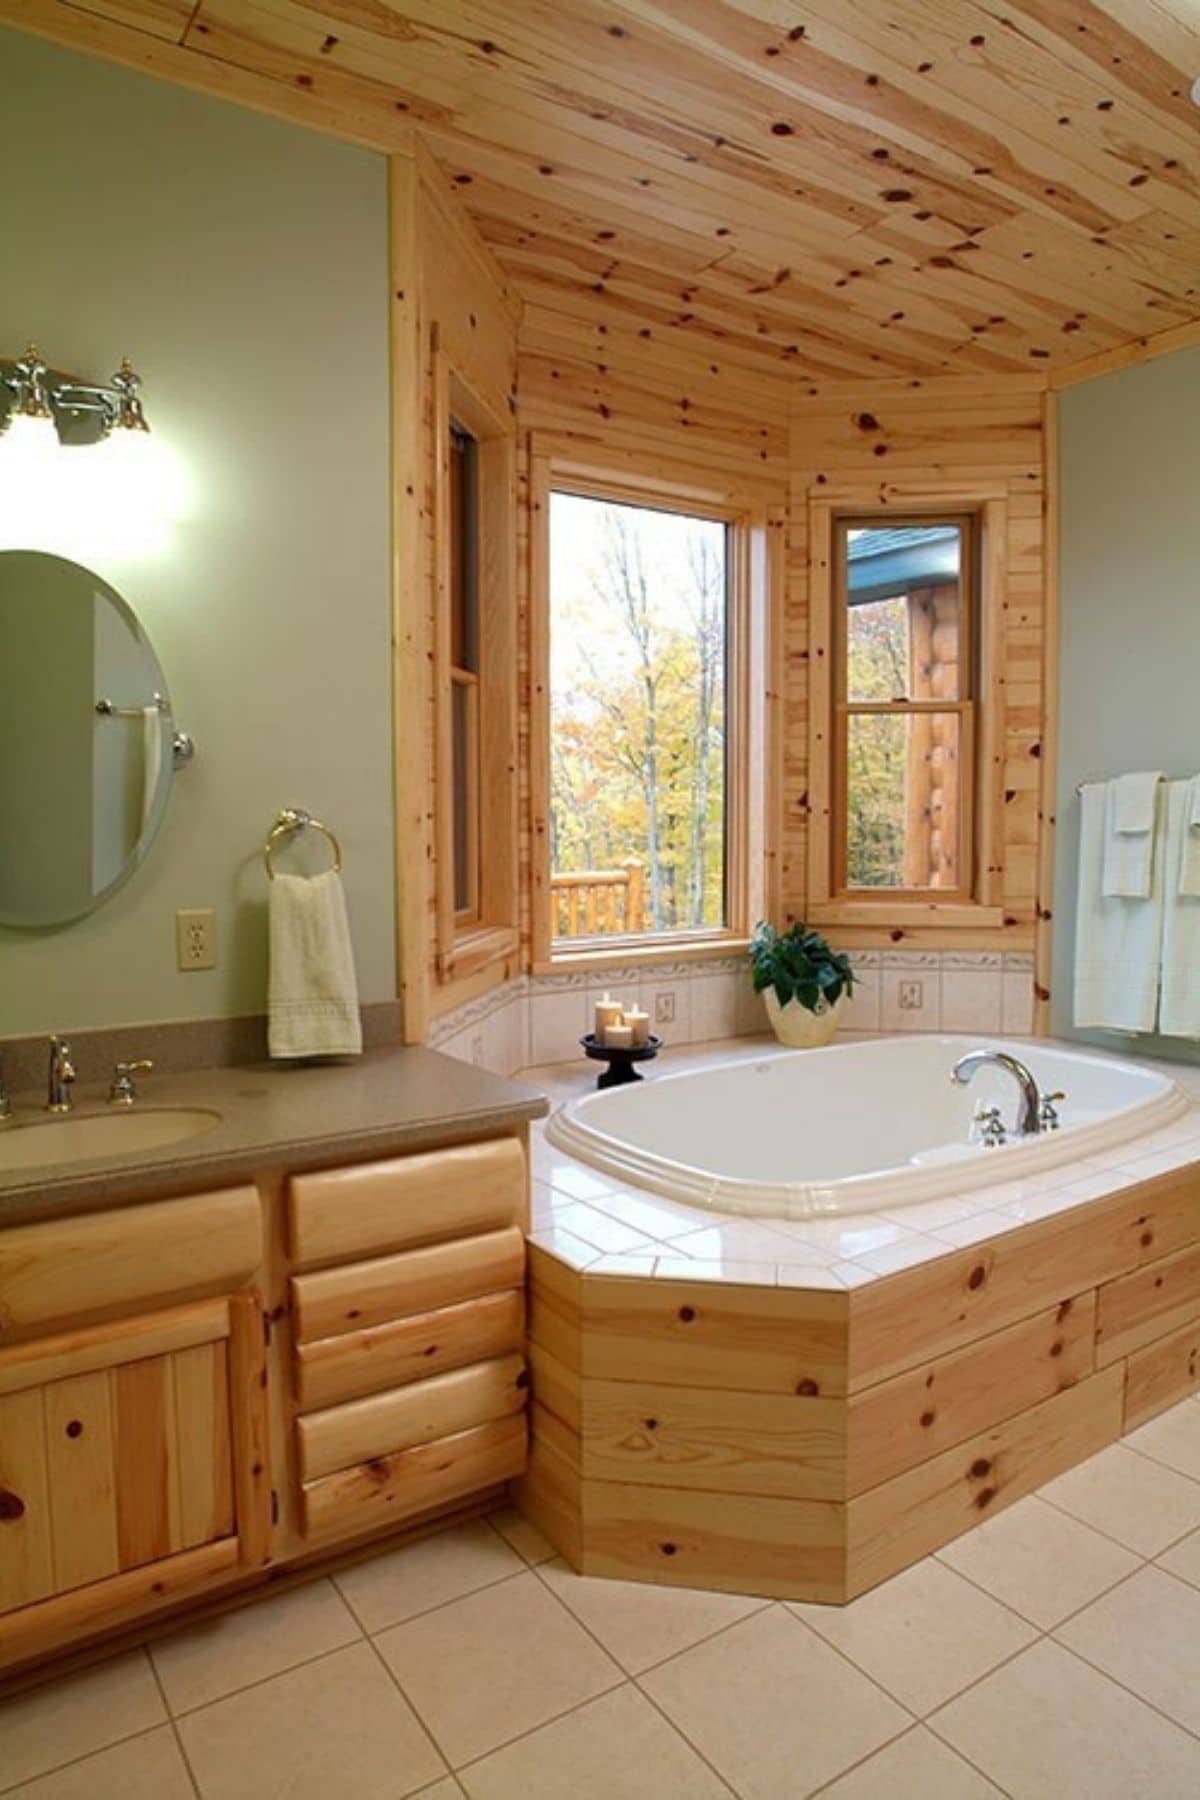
(852, 1128)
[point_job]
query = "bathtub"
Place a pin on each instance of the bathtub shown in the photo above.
(852, 1128)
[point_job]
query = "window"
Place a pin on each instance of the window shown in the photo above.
(464, 669)
(639, 606)
(905, 685)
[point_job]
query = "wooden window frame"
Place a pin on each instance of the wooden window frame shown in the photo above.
(470, 940)
(753, 616)
(975, 904)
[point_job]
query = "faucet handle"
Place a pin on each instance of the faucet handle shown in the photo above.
(122, 1090)
(1048, 1119)
(988, 1128)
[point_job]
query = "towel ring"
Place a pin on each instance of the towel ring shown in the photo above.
(292, 819)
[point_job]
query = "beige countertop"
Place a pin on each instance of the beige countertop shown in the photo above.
(272, 1117)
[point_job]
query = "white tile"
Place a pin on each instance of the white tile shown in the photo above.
(1183, 1559)
(557, 1020)
(976, 1229)
(565, 1246)
(401, 1583)
(639, 1623)
(684, 1268)
(668, 995)
(601, 1229)
(335, 1726)
(1047, 1727)
(653, 1214)
(891, 1258)
(1146, 1635)
(630, 1264)
(1172, 1438)
(917, 1766)
(1041, 1562)
(714, 1007)
(220, 1655)
(775, 1710)
(71, 1717)
(743, 1240)
(574, 1179)
(809, 1275)
(971, 999)
(524, 1537)
(924, 1635)
(486, 1669)
(848, 1237)
(1016, 1006)
(752, 1018)
(863, 1006)
(930, 1215)
(910, 999)
(614, 1748)
(1138, 1502)
(149, 1767)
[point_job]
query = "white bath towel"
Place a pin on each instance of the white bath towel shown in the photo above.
(1189, 855)
(1130, 819)
(1118, 941)
(1179, 1006)
(312, 992)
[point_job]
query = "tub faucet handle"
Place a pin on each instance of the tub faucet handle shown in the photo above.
(989, 1127)
(1048, 1117)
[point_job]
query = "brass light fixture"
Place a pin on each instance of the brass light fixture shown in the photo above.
(80, 412)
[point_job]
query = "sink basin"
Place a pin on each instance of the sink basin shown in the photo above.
(51, 1143)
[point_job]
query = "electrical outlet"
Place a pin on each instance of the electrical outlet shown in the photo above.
(912, 996)
(196, 939)
(664, 1008)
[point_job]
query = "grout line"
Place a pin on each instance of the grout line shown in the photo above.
(396, 1682)
(426, 1611)
(73, 1762)
(189, 1712)
(1108, 1675)
(173, 1722)
(918, 1725)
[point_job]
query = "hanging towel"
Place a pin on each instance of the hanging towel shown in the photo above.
(312, 994)
(1131, 811)
(1179, 1008)
(1189, 854)
(1118, 941)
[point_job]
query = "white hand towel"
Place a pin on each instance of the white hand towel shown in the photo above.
(1189, 854)
(1131, 812)
(312, 993)
(1179, 1009)
(1118, 941)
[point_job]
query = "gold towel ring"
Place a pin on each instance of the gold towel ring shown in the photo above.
(292, 819)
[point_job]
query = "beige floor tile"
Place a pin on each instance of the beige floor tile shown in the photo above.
(218, 1656)
(401, 1583)
(441, 1790)
(922, 1636)
(917, 1766)
(615, 1748)
(1047, 1727)
(1041, 1562)
(335, 1726)
(500, 1662)
(1146, 1635)
(70, 1718)
(641, 1624)
(149, 1767)
(1183, 1559)
(1173, 1438)
(772, 1707)
(1140, 1503)
(524, 1537)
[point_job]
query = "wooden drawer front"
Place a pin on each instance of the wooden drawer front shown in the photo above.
(392, 1287)
(418, 1414)
(373, 1207)
(124, 1461)
(389, 1489)
(1161, 1298)
(100, 1263)
(429, 1343)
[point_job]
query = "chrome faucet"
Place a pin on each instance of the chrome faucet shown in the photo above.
(62, 1075)
(1029, 1113)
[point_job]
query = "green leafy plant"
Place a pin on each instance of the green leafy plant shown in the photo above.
(800, 965)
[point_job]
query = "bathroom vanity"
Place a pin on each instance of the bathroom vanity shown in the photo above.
(294, 1331)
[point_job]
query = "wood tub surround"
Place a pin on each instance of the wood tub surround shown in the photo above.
(202, 1394)
(810, 1443)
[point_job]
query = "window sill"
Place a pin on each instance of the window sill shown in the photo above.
(962, 915)
(476, 949)
(638, 954)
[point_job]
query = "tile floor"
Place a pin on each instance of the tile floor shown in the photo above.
(1054, 1651)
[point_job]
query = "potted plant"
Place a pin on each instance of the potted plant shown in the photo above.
(804, 982)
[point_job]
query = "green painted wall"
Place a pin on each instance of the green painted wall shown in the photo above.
(1129, 690)
(242, 264)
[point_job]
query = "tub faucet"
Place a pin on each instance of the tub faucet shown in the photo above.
(1029, 1121)
(61, 1076)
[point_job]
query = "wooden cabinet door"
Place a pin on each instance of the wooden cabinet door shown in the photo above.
(132, 1466)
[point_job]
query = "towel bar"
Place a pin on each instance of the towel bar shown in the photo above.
(294, 818)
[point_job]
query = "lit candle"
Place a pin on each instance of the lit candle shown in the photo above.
(618, 1037)
(638, 1022)
(608, 1014)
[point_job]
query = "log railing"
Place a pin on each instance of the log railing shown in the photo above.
(598, 902)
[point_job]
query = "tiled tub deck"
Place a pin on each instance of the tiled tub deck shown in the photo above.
(802, 1408)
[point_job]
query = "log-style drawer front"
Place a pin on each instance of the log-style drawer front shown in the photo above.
(373, 1207)
(366, 1294)
(404, 1350)
(424, 1411)
(67, 1271)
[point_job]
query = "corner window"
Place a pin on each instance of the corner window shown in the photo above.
(639, 726)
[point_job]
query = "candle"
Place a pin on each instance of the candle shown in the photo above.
(638, 1022)
(618, 1037)
(608, 1014)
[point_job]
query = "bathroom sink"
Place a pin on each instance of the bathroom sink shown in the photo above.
(50, 1143)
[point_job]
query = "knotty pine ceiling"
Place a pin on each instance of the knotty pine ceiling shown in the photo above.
(852, 187)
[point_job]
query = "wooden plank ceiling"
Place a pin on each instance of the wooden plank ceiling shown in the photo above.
(849, 187)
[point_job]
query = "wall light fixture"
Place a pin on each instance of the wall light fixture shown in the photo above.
(36, 400)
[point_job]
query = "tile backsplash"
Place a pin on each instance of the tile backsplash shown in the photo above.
(540, 1019)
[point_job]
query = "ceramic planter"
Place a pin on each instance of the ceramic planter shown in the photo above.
(797, 1027)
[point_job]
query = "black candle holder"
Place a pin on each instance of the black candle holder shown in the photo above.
(620, 1060)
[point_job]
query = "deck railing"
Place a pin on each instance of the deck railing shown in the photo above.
(598, 902)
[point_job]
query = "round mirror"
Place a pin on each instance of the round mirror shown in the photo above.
(86, 740)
